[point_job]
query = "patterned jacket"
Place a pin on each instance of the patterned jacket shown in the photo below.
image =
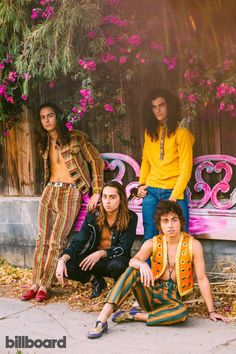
(77, 154)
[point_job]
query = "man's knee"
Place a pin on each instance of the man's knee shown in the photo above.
(117, 267)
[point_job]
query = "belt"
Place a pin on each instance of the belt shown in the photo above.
(62, 184)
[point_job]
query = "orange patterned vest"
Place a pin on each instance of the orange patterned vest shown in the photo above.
(183, 261)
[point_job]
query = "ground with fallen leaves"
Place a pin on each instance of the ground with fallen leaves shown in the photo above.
(15, 280)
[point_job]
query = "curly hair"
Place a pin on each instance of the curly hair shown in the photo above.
(166, 207)
(63, 133)
(123, 214)
(173, 111)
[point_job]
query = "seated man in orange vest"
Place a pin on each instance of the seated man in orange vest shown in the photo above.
(159, 289)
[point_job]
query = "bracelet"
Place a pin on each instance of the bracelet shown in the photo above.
(61, 258)
(209, 313)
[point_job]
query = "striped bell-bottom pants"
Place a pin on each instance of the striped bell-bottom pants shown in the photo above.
(58, 209)
(164, 306)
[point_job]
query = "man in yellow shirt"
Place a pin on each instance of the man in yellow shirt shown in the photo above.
(167, 158)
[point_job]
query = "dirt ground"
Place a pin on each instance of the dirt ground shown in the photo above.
(14, 281)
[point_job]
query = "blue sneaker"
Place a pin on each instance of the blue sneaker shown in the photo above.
(125, 316)
(98, 330)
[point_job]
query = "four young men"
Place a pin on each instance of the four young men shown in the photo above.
(103, 246)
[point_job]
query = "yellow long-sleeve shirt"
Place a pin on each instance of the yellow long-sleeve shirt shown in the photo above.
(174, 171)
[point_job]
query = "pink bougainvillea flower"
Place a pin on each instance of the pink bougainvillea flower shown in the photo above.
(228, 63)
(134, 40)
(2, 66)
(202, 82)
(8, 59)
(52, 84)
(69, 126)
(114, 20)
(91, 101)
(86, 93)
(222, 106)
(24, 97)
(192, 98)
(110, 41)
(108, 108)
(44, 2)
(26, 76)
(157, 46)
(120, 37)
(35, 13)
(2, 90)
(10, 99)
(12, 76)
(89, 65)
(114, 2)
(107, 58)
(170, 62)
(181, 95)
(191, 74)
(92, 34)
(74, 109)
(140, 58)
(48, 12)
(122, 60)
(6, 133)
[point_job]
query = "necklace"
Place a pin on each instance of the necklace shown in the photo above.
(57, 147)
(170, 283)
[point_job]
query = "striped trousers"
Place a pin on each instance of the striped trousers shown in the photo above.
(58, 209)
(164, 307)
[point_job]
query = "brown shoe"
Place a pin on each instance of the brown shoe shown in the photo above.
(29, 295)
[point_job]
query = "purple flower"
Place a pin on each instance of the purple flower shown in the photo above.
(24, 97)
(108, 107)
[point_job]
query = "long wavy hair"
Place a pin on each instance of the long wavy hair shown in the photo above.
(166, 207)
(123, 213)
(63, 133)
(173, 112)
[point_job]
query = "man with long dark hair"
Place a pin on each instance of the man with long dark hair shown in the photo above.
(103, 246)
(167, 158)
(66, 157)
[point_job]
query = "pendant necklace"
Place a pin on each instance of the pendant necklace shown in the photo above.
(170, 283)
(57, 147)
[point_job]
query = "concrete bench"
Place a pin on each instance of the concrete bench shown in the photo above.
(211, 217)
